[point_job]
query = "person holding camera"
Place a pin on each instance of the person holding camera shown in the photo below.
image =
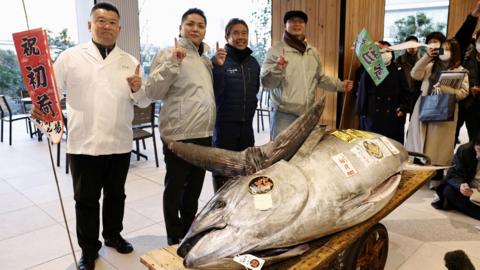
(426, 137)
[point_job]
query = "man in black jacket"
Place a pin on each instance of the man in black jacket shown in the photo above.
(468, 47)
(461, 180)
(236, 83)
(470, 106)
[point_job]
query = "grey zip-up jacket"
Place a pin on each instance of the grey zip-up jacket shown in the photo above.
(186, 90)
(293, 89)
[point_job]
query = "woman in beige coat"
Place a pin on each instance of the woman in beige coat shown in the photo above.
(436, 139)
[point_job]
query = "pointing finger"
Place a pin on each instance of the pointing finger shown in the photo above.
(176, 43)
(137, 70)
(217, 46)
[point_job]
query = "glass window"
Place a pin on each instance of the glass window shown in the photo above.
(413, 17)
(159, 24)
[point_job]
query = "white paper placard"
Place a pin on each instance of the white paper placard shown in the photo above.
(362, 154)
(263, 201)
(249, 261)
(390, 145)
(344, 164)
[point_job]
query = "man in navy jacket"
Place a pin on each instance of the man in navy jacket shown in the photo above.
(236, 83)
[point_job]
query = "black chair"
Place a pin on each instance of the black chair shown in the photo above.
(4, 110)
(263, 108)
(144, 118)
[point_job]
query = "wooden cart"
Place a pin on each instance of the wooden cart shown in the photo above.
(364, 246)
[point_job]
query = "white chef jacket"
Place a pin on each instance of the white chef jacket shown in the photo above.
(99, 99)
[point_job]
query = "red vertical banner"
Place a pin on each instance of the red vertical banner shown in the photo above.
(37, 72)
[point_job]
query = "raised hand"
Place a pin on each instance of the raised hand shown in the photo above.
(281, 61)
(178, 52)
(135, 81)
(220, 55)
(476, 10)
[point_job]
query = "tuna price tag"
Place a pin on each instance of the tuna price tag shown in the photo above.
(362, 154)
(249, 261)
(263, 201)
(390, 145)
(344, 164)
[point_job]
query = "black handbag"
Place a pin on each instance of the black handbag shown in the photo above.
(437, 107)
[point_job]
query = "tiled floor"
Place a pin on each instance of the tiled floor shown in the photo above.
(33, 235)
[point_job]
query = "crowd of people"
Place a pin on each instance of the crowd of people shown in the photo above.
(383, 108)
(213, 101)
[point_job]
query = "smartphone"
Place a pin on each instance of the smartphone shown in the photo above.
(438, 51)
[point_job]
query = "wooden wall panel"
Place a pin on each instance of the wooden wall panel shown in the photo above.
(368, 14)
(322, 32)
(459, 9)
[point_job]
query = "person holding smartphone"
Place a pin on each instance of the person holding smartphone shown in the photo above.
(463, 179)
(426, 137)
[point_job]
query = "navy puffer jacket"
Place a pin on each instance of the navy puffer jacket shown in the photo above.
(236, 85)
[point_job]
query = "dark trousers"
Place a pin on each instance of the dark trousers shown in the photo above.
(235, 136)
(90, 174)
(460, 202)
(471, 120)
(183, 185)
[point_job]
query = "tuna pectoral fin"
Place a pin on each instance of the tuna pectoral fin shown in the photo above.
(252, 159)
(384, 190)
(362, 207)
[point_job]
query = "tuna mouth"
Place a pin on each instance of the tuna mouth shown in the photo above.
(188, 243)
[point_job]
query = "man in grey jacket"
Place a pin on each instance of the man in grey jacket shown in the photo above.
(293, 71)
(182, 78)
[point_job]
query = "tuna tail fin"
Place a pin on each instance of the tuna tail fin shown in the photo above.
(252, 159)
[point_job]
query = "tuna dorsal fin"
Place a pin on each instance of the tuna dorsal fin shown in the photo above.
(290, 140)
(252, 159)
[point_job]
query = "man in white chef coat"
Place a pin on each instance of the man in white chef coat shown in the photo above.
(102, 83)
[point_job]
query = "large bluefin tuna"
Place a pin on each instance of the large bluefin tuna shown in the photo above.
(333, 181)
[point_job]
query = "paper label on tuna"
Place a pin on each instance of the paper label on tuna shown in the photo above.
(362, 154)
(376, 148)
(383, 147)
(359, 134)
(344, 164)
(390, 145)
(263, 201)
(249, 261)
(260, 185)
(344, 136)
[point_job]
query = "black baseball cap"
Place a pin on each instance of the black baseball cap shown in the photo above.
(295, 13)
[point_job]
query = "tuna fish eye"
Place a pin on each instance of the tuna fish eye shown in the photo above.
(218, 204)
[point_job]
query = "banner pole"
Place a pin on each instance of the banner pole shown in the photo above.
(61, 203)
(54, 171)
(25, 12)
(345, 94)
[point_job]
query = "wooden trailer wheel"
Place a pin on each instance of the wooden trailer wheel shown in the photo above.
(369, 251)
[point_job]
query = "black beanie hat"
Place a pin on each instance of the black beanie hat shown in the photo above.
(295, 13)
